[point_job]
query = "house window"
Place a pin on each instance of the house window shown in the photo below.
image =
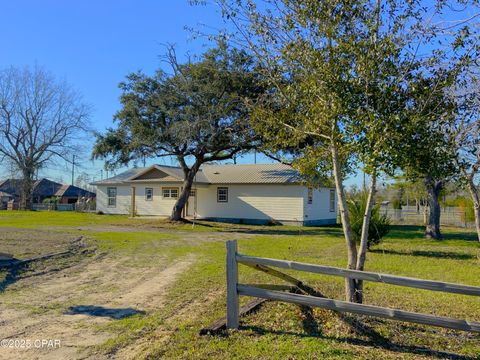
(332, 200)
(148, 194)
(222, 194)
(112, 196)
(310, 195)
(193, 193)
(170, 193)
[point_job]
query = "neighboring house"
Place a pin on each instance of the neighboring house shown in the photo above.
(43, 189)
(70, 194)
(230, 193)
(4, 199)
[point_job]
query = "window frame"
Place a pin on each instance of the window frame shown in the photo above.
(193, 193)
(170, 189)
(109, 204)
(147, 190)
(332, 200)
(222, 188)
(309, 196)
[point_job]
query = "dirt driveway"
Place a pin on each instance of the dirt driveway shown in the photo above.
(56, 311)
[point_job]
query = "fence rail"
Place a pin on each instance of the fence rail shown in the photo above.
(363, 275)
(234, 290)
(82, 207)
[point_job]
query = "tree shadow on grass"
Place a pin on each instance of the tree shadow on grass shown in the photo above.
(408, 232)
(331, 230)
(465, 236)
(13, 272)
(375, 339)
(417, 232)
(427, 253)
(94, 310)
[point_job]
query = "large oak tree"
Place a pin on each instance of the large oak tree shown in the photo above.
(198, 113)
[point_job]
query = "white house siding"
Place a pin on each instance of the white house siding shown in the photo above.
(318, 212)
(260, 202)
(158, 205)
(248, 202)
(123, 199)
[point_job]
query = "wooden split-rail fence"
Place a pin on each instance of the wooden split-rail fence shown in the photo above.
(271, 292)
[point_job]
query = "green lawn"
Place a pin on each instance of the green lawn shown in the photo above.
(280, 330)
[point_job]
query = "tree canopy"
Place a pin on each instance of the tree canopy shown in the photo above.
(198, 113)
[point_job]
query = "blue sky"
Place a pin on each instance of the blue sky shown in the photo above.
(94, 45)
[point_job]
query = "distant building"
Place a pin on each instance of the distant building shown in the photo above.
(4, 199)
(70, 194)
(10, 189)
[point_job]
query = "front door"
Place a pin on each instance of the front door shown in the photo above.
(191, 203)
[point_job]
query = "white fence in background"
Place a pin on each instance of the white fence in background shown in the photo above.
(449, 216)
(82, 207)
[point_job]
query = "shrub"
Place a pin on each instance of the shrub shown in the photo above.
(51, 200)
(379, 224)
(397, 204)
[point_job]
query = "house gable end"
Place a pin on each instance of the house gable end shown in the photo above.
(156, 175)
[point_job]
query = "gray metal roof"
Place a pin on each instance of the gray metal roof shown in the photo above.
(120, 178)
(251, 174)
(219, 174)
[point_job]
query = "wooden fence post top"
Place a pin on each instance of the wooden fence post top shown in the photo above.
(231, 243)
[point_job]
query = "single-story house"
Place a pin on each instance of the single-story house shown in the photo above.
(71, 194)
(230, 193)
(4, 199)
(43, 189)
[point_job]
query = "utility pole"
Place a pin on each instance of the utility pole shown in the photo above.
(73, 169)
(101, 174)
(255, 156)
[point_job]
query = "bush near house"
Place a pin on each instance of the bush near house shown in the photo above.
(379, 224)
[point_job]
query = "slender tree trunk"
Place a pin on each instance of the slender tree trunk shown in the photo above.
(362, 252)
(26, 190)
(432, 230)
(476, 203)
(350, 284)
(185, 193)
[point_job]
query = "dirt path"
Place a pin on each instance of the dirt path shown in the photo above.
(68, 305)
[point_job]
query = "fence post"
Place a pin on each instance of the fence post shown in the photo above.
(232, 280)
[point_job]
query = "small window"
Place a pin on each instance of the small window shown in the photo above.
(170, 193)
(222, 194)
(112, 196)
(148, 194)
(310, 195)
(193, 193)
(332, 200)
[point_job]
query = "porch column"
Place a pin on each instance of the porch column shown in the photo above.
(132, 206)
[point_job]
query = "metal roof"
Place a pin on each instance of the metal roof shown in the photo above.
(73, 191)
(120, 178)
(251, 174)
(217, 174)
